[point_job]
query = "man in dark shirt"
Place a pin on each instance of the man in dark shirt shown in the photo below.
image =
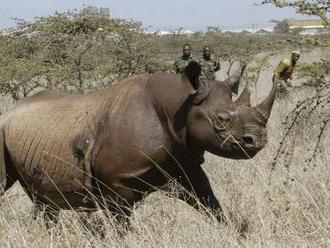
(208, 64)
(181, 62)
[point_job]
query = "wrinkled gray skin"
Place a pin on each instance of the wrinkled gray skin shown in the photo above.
(113, 146)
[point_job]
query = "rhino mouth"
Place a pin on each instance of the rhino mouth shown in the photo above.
(224, 136)
(239, 146)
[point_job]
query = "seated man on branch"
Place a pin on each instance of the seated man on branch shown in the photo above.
(283, 71)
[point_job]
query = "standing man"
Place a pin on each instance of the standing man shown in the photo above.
(209, 65)
(181, 63)
(284, 70)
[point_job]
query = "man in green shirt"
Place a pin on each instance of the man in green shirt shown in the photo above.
(284, 70)
(181, 62)
(208, 64)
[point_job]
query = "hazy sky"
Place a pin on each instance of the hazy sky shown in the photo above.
(160, 14)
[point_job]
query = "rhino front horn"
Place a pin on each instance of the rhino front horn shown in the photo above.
(265, 107)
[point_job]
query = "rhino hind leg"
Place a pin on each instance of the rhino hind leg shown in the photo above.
(3, 173)
(117, 204)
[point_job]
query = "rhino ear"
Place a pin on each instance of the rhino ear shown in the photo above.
(192, 73)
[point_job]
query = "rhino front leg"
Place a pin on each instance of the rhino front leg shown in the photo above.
(199, 189)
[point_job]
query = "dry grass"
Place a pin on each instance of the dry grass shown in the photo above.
(288, 206)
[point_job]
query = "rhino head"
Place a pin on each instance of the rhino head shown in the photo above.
(221, 126)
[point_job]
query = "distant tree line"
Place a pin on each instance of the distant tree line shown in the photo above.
(72, 51)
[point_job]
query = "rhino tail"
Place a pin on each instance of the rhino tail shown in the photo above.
(3, 154)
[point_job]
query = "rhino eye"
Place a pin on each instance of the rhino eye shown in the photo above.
(199, 115)
(225, 116)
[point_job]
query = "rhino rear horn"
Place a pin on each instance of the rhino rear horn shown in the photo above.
(234, 79)
(192, 72)
(265, 107)
(244, 98)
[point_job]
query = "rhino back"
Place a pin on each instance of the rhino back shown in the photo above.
(135, 133)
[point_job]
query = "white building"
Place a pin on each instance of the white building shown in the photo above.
(308, 27)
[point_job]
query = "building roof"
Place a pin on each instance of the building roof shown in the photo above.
(305, 23)
(263, 31)
(230, 33)
(246, 32)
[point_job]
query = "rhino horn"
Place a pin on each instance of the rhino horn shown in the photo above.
(244, 98)
(234, 79)
(264, 108)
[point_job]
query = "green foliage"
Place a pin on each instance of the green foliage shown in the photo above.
(315, 73)
(214, 29)
(74, 52)
(281, 27)
(18, 65)
(253, 72)
(318, 8)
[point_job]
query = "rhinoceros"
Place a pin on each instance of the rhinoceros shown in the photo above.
(111, 147)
